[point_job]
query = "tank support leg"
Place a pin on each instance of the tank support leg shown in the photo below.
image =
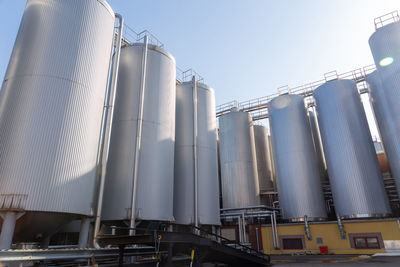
(7, 231)
(84, 232)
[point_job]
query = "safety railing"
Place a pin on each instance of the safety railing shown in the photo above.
(386, 19)
(255, 105)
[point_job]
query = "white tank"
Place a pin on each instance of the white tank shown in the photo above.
(155, 182)
(354, 174)
(297, 174)
(264, 161)
(207, 165)
(239, 178)
(51, 107)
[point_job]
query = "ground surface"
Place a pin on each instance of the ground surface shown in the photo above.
(335, 260)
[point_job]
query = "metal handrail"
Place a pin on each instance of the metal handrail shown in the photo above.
(386, 19)
(358, 75)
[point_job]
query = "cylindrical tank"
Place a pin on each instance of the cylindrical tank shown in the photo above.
(297, 174)
(263, 155)
(385, 96)
(51, 107)
(207, 165)
(238, 160)
(385, 47)
(154, 199)
(354, 175)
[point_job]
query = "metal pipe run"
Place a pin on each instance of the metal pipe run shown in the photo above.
(307, 228)
(84, 232)
(107, 125)
(249, 208)
(138, 137)
(341, 228)
(7, 230)
(195, 162)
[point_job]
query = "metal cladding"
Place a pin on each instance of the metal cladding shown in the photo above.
(51, 107)
(385, 46)
(297, 174)
(238, 160)
(155, 183)
(207, 170)
(355, 178)
(385, 96)
(264, 162)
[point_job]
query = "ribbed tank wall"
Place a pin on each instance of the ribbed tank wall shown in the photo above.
(51, 106)
(354, 175)
(297, 175)
(385, 47)
(156, 157)
(385, 96)
(238, 160)
(263, 155)
(207, 165)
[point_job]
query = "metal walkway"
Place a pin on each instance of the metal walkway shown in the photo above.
(204, 249)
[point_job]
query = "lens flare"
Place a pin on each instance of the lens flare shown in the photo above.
(386, 61)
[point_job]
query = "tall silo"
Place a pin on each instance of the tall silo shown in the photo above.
(385, 98)
(384, 85)
(238, 160)
(150, 69)
(51, 106)
(385, 47)
(353, 169)
(264, 162)
(196, 155)
(297, 174)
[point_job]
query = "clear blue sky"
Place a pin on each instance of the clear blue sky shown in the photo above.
(248, 48)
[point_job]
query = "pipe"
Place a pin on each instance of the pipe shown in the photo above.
(244, 228)
(138, 137)
(7, 230)
(307, 228)
(273, 230)
(84, 232)
(240, 230)
(108, 111)
(341, 228)
(257, 239)
(196, 186)
(249, 208)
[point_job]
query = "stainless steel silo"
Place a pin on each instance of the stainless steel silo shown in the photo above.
(354, 175)
(264, 162)
(51, 106)
(149, 69)
(385, 47)
(297, 173)
(238, 160)
(195, 103)
(385, 96)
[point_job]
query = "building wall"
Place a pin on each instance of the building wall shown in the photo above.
(329, 232)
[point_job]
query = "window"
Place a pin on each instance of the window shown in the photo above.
(366, 241)
(292, 243)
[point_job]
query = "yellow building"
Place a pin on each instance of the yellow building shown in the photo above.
(362, 237)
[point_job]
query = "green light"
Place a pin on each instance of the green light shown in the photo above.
(386, 61)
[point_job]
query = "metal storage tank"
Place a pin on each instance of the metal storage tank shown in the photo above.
(51, 106)
(385, 96)
(238, 160)
(297, 174)
(264, 162)
(155, 173)
(354, 175)
(190, 96)
(385, 47)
